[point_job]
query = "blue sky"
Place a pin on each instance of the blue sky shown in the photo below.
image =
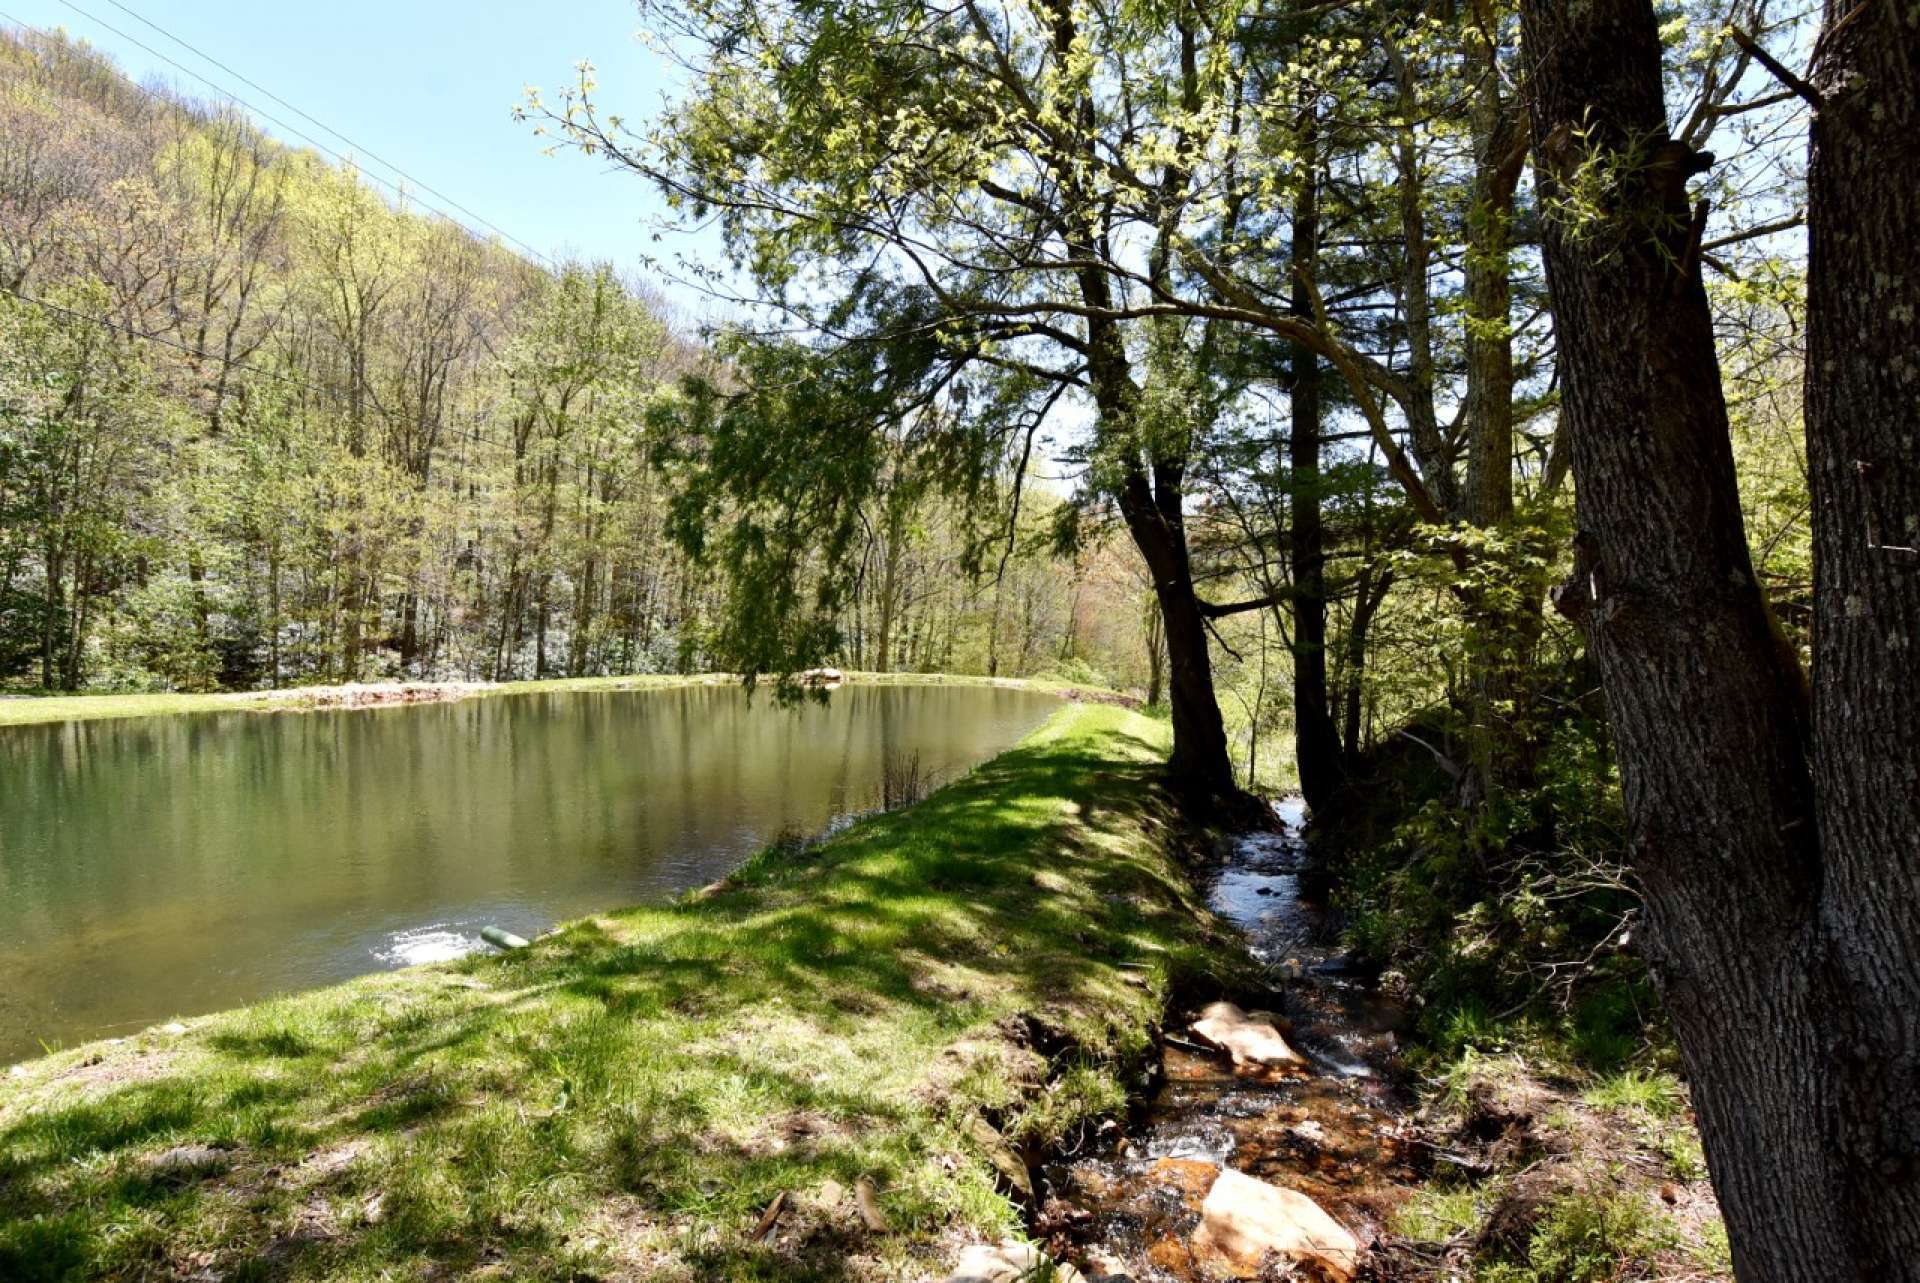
(429, 85)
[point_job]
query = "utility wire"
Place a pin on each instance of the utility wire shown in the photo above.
(232, 97)
(225, 362)
(164, 341)
(368, 152)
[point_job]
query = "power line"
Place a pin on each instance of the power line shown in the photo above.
(229, 95)
(320, 124)
(226, 362)
(151, 337)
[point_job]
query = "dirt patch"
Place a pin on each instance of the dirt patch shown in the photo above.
(1008, 1059)
(96, 1073)
(1083, 695)
(363, 695)
(1553, 1172)
(328, 1162)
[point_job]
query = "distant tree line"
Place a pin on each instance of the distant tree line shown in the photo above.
(261, 425)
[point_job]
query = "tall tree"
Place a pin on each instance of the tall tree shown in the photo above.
(1863, 385)
(1786, 949)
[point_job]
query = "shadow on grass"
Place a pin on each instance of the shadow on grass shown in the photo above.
(638, 1087)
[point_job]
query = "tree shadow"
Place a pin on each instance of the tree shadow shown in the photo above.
(695, 1060)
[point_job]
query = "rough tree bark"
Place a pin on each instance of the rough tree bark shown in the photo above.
(1315, 737)
(1863, 386)
(1151, 496)
(1152, 510)
(1708, 711)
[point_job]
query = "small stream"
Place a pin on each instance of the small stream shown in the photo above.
(1339, 1133)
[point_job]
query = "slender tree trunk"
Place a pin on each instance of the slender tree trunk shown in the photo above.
(52, 610)
(889, 585)
(1708, 711)
(1316, 739)
(1505, 622)
(1497, 127)
(1863, 385)
(273, 615)
(579, 651)
(1156, 654)
(1369, 593)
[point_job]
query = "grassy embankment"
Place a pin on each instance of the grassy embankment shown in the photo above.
(25, 710)
(627, 1097)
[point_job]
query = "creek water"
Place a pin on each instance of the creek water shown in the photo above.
(169, 866)
(1339, 1133)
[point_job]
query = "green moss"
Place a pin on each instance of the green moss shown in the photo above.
(641, 1085)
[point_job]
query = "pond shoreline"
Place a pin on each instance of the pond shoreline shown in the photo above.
(31, 710)
(811, 1073)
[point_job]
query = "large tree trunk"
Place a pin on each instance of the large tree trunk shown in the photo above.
(1707, 709)
(1200, 766)
(1863, 385)
(1316, 740)
(1154, 508)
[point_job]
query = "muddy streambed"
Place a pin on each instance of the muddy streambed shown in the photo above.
(1340, 1132)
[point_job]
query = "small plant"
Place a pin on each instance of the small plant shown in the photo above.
(1680, 1146)
(1586, 1237)
(1656, 1095)
(902, 782)
(1434, 1215)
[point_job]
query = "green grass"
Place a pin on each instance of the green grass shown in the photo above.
(1435, 1213)
(26, 710)
(625, 1097)
(1588, 1238)
(1656, 1095)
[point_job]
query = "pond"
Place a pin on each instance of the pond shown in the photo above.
(169, 866)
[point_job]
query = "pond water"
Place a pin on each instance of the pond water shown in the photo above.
(169, 866)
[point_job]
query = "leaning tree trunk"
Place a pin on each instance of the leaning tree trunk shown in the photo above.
(1199, 765)
(1863, 385)
(1153, 506)
(1706, 706)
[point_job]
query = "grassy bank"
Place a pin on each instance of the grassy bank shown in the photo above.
(627, 1098)
(31, 709)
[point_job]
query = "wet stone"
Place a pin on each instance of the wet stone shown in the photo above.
(1313, 1139)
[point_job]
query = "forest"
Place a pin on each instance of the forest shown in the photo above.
(268, 423)
(1492, 422)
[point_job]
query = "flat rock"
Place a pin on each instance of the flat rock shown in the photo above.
(185, 1163)
(1008, 1262)
(1252, 1043)
(1191, 1178)
(1244, 1219)
(1008, 1165)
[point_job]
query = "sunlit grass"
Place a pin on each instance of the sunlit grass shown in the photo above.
(625, 1097)
(1435, 1213)
(1657, 1095)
